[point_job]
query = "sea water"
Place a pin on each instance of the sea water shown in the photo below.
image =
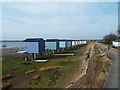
(13, 44)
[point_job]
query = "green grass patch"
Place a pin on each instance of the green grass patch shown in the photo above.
(53, 78)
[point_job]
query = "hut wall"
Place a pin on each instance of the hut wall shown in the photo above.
(62, 44)
(51, 45)
(32, 47)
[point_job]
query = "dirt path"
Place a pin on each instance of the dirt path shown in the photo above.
(80, 77)
(90, 79)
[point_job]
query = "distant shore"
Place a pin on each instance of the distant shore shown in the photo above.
(11, 40)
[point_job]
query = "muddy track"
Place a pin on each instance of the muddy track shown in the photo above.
(94, 65)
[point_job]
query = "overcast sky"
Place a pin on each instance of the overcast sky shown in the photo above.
(75, 20)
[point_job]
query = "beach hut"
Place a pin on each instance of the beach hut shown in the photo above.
(85, 42)
(69, 43)
(62, 43)
(52, 44)
(76, 42)
(81, 42)
(34, 46)
(73, 42)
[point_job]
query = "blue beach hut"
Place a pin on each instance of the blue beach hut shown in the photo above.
(69, 43)
(35, 45)
(76, 42)
(52, 44)
(62, 43)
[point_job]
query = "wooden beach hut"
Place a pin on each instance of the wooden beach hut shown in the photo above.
(80, 42)
(73, 43)
(62, 43)
(69, 43)
(34, 46)
(52, 44)
(76, 42)
(85, 42)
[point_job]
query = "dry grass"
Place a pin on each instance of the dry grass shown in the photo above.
(6, 77)
(13, 68)
(30, 71)
(36, 77)
(6, 85)
(49, 68)
(100, 80)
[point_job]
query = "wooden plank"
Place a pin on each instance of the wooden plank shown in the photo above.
(21, 52)
(65, 54)
(40, 60)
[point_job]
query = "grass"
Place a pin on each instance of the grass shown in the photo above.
(48, 79)
(106, 66)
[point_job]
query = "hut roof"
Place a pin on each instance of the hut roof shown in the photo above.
(51, 39)
(63, 40)
(33, 40)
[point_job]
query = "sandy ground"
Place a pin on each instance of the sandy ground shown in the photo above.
(92, 78)
(83, 66)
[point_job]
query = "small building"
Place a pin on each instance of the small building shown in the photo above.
(35, 45)
(62, 43)
(69, 43)
(82, 42)
(52, 44)
(85, 42)
(76, 42)
(73, 43)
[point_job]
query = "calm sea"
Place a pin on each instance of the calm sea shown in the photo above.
(13, 44)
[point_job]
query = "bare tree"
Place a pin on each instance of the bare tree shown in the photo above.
(118, 31)
(109, 38)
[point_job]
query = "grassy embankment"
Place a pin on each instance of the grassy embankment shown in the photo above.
(103, 69)
(61, 77)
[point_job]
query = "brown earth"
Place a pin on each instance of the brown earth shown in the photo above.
(95, 76)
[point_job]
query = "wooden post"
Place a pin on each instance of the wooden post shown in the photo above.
(34, 55)
(53, 51)
(46, 52)
(26, 58)
(57, 50)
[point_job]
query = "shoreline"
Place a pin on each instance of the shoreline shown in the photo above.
(10, 51)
